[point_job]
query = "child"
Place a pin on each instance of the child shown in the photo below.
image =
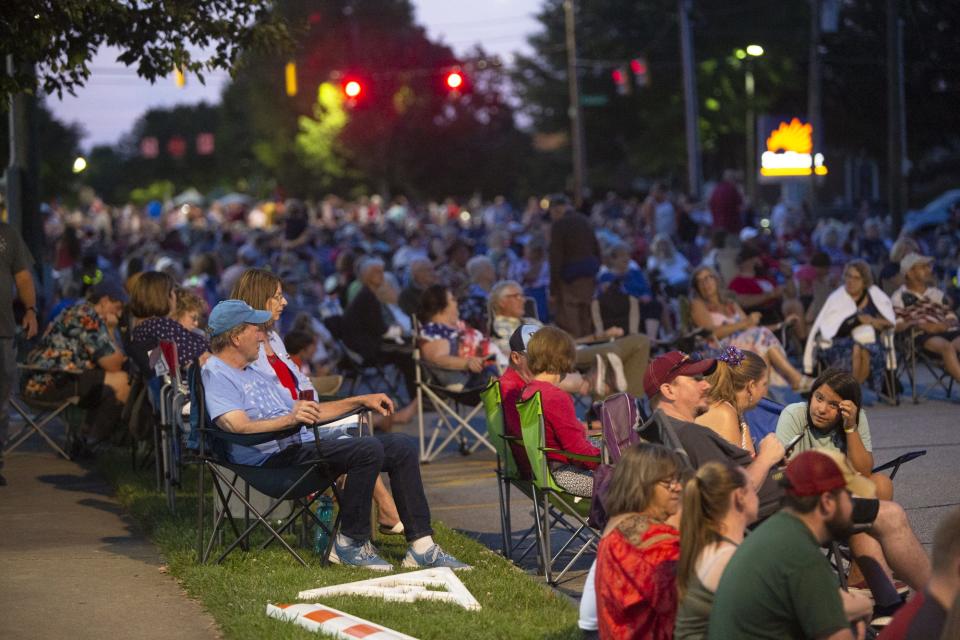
(189, 309)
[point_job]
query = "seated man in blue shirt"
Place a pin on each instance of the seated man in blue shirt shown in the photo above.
(241, 400)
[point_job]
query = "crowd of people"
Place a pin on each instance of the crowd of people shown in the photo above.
(279, 298)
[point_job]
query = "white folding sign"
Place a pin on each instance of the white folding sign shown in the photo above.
(405, 587)
(322, 619)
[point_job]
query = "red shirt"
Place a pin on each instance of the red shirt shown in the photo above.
(725, 205)
(561, 427)
(286, 376)
(744, 285)
(511, 386)
(921, 617)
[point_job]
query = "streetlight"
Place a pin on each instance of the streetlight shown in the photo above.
(79, 164)
(747, 54)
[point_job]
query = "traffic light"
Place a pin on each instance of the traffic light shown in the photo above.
(620, 80)
(179, 78)
(290, 78)
(641, 75)
(353, 89)
(454, 80)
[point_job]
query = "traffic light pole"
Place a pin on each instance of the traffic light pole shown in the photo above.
(895, 115)
(576, 110)
(694, 167)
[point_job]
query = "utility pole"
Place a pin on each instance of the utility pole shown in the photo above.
(575, 110)
(896, 142)
(694, 166)
(815, 99)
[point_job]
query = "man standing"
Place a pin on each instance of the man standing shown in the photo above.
(574, 263)
(726, 203)
(767, 593)
(15, 264)
(241, 400)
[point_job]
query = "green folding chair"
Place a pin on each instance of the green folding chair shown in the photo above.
(508, 474)
(550, 497)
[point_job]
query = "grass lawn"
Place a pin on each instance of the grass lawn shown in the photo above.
(236, 592)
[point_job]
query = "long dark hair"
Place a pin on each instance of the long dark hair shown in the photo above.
(845, 386)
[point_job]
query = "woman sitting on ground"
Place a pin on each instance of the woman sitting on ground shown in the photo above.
(153, 303)
(737, 384)
(461, 357)
(715, 311)
(637, 556)
(718, 504)
(550, 357)
(850, 322)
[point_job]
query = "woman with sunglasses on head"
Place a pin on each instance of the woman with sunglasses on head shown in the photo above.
(711, 308)
(637, 557)
(718, 504)
(262, 289)
(737, 384)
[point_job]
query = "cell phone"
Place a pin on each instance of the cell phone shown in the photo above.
(790, 445)
(305, 394)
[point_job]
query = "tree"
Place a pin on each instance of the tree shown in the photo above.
(58, 145)
(62, 37)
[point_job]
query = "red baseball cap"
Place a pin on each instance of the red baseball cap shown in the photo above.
(669, 366)
(814, 472)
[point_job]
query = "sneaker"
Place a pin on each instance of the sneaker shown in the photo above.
(600, 377)
(432, 558)
(616, 366)
(359, 555)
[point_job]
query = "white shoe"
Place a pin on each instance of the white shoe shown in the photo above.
(616, 365)
(600, 381)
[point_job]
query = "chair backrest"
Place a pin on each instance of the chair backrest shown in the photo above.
(620, 419)
(530, 308)
(763, 418)
(532, 429)
(659, 430)
(493, 408)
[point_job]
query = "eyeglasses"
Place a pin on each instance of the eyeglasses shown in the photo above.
(673, 483)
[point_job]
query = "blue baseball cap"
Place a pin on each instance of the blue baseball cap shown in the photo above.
(230, 313)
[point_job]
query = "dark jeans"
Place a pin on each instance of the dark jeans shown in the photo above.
(362, 459)
(8, 378)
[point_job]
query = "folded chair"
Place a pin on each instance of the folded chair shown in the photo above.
(302, 484)
(551, 497)
(913, 354)
(37, 414)
(455, 409)
(890, 393)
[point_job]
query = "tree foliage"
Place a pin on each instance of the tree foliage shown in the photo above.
(60, 37)
(56, 144)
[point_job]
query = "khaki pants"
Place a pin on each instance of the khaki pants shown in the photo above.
(633, 350)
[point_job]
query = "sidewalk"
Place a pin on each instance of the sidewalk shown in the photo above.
(72, 565)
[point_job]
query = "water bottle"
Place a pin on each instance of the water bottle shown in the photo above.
(324, 511)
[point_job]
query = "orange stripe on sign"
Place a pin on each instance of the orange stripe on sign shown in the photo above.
(281, 606)
(361, 630)
(321, 616)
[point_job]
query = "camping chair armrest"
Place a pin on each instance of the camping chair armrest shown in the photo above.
(248, 439)
(571, 455)
(346, 414)
(512, 438)
(900, 460)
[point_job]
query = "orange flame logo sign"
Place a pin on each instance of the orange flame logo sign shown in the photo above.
(789, 150)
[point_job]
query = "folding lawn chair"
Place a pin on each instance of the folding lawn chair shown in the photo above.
(302, 484)
(37, 414)
(913, 354)
(550, 497)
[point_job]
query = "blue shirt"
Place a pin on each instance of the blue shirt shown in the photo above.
(228, 389)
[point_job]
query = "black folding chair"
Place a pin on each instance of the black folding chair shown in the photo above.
(302, 484)
(915, 354)
(38, 413)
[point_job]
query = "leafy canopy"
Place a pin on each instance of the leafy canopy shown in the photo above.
(60, 37)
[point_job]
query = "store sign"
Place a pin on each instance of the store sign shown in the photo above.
(788, 152)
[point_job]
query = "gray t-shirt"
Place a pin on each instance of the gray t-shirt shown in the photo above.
(793, 422)
(14, 258)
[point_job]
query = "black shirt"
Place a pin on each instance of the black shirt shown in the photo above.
(703, 445)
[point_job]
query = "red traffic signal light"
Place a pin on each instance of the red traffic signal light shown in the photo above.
(454, 80)
(620, 79)
(352, 89)
(640, 72)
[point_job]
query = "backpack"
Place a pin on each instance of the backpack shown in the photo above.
(620, 418)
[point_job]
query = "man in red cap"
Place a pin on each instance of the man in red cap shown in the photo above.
(675, 386)
(779, 584)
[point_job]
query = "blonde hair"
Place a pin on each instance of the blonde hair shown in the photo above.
(256, 287)
(150, 294)
(722, 293)
(726, 380)
(706, 500)
(863, 269)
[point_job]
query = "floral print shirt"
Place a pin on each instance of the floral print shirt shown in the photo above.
(74, 341)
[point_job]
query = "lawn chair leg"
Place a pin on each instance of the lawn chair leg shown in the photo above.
(547, 556)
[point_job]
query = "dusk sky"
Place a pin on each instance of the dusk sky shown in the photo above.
(115, 96)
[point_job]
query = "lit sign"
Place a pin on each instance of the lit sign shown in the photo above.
(788, 152)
